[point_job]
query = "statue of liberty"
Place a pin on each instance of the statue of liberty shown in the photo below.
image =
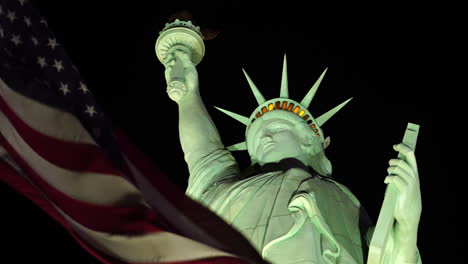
(286, 204)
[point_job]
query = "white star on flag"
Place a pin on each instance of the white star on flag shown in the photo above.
(27, 20)
(90, 110)
(16, 39)
(52, 43)
(11, 15)
(43, 21)
(41, 61)
(58, 65)
(83, 87)
(22, 2)
(35, 41)
(64, 88)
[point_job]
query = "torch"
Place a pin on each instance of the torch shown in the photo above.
(183, 36)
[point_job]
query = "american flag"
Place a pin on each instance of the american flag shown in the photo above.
(59, 149)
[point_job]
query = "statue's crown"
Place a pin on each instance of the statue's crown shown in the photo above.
(284, 103)
(181, 23)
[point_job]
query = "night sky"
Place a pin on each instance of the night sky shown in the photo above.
(379, 58)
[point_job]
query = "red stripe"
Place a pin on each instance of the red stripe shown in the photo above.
(111, 219)
(79, 156)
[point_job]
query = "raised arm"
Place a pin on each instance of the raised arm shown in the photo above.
(206, 157)
(198, 134)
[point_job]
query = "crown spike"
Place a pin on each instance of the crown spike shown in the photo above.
(324, 118)
(244, 120)
(256, 92)
(284, 80)
(310, 95)
(238, 146)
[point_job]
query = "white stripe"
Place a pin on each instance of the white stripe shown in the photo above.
(148, 248)
(155, 247)
(97, 188)
(45, 119)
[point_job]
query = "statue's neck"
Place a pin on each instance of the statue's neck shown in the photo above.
(300, 161)
(286, 164)
(282, 165)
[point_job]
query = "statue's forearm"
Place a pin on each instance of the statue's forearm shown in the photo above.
(405, 245)
(197, 132)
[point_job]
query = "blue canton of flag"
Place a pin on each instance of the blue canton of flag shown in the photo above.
(35, 64)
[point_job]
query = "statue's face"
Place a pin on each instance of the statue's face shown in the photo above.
(276, 140)
(279, 135)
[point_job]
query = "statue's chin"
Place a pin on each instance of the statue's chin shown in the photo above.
(269, 157)
(285, 164)
(276, 159)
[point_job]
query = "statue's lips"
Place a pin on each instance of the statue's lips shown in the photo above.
(266, 146)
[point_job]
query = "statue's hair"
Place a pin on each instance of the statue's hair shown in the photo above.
(315, 149)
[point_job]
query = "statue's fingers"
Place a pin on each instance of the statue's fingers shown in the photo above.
(179, 54)
(184, 58)
(403, 165)
(170, 64)
(408, 153)
(397, 181)
(167, 73)
(191, 75)
(397, 171)
(168, 58)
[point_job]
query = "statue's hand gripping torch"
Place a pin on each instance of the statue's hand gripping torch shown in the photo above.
(183, 36)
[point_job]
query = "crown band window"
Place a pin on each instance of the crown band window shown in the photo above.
(278, 105)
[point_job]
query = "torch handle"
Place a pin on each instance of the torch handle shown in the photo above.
(176, 88)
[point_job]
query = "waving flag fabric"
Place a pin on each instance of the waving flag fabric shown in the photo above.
(59, 149)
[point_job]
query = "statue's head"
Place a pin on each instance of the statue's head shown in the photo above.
(282, 128)
(282, 135)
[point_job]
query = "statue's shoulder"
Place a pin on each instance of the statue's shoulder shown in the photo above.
(346, 191)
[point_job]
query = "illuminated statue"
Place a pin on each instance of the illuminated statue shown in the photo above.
(290, 210)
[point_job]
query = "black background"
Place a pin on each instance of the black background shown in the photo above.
(382, 56)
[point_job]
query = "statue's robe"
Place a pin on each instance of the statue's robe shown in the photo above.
(290, 216)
